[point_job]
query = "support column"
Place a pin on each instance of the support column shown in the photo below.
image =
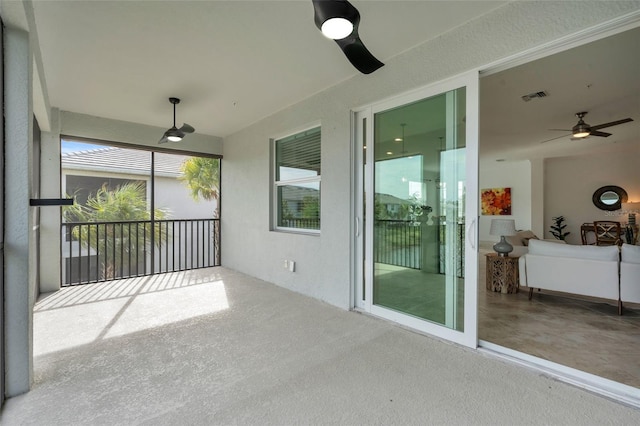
(19, 278)
(50, 233)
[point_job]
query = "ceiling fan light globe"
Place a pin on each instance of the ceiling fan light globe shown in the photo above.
(337, 28)
(581, 130)
(174, 138)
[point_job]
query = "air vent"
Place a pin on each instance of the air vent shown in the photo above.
(541, 94)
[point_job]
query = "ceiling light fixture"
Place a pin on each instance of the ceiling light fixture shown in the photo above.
(336, 19)
(582, 129)
(337, 28)
(174, 134)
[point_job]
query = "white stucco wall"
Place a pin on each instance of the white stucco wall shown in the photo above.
(19, 262)
(570, 183)
(517, 176)
(323, 262)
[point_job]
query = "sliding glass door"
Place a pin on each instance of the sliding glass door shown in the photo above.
(418, 204)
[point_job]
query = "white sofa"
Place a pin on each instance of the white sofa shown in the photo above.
(630, 273)
(585, 270)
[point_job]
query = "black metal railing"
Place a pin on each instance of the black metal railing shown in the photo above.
(103, 251)
(400, 243)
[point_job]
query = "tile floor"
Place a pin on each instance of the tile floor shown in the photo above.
(582, 333)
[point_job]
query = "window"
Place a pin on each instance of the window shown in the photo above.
(297, 181)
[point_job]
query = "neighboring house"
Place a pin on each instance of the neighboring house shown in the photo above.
(84, 172)
(392, 207)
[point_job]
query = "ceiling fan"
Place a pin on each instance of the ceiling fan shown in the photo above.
(581, 130)
(174, 134)
(339, 20)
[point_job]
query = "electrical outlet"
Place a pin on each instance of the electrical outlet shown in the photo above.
(285, 265)
(292, 266)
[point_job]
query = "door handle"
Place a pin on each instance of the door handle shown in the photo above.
(472, 225)
(357, 226)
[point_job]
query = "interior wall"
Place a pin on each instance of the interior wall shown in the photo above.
(517, 176)
(324, 262)
(570, 183)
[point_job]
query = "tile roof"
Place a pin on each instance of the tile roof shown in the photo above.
(122, 160)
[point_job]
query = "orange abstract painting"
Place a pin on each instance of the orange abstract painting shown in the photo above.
(496, 201)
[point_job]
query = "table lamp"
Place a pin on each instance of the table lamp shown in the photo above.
(503, 228)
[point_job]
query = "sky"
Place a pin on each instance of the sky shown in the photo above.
(400, 177)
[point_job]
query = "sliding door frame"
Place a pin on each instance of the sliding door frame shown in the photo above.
(362, 123)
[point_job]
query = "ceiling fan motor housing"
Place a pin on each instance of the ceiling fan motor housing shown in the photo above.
(581, 129)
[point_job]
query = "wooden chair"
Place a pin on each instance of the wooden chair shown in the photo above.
(587, 232)
(608, 233)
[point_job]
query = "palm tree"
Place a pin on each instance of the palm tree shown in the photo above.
(202, 175)
(115, 239)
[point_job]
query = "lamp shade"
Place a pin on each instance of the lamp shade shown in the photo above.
(503, 227)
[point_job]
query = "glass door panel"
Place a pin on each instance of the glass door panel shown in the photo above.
(419, 188)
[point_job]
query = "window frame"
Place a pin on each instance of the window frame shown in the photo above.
(276, 184)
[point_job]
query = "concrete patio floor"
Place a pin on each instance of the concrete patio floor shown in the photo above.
(214, 346)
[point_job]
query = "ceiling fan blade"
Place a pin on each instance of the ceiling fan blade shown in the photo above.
(613, 123)
(164, 139)
(187, 128)
(597, 133)
(352, 46)
(560, 130)
(557, 137)
(358, 54)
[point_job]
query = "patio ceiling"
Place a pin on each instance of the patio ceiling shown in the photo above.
(231, 62)
(236, 62)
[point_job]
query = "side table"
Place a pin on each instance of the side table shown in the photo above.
(502, 273)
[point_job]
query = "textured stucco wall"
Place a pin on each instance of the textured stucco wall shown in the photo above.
(18, 297)
(50, 219)
(323, 262)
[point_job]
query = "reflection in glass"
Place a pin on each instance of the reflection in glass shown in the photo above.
(609, 198)
(299, 205)
(298, 180)
(418, 238)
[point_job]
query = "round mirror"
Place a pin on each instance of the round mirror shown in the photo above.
(609, 197)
